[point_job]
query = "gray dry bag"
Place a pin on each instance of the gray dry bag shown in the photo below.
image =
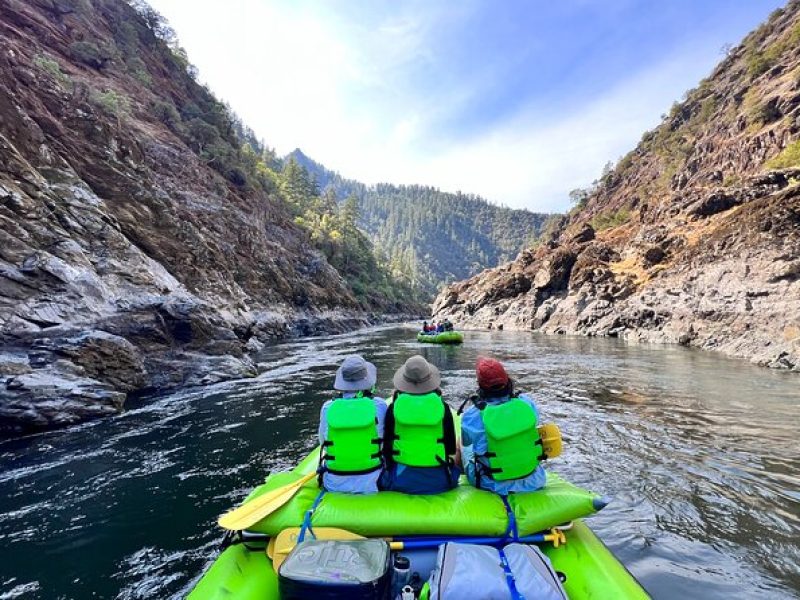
(472, 572)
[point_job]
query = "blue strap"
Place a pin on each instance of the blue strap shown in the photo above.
(306, 526)
(511, 531)
(512, 586)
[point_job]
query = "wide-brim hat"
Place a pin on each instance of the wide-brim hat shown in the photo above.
(355, 374)
(417, 376)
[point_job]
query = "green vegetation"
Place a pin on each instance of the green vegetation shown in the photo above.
(430, 237)
(427, 237)
(789, 157)
(111, 102)
(448, 236)
(167, 114)
(579, 197)
(608, 220)
(333, 228)
(731, 180)
(51, 67)
(222, 141)
(138, 69)
(90, 54)
(760, 61)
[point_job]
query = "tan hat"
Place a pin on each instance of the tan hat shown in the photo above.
(417, 376)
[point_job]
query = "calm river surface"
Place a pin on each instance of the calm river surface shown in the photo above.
(699, 452)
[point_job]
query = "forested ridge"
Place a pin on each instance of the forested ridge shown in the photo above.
(427, 237)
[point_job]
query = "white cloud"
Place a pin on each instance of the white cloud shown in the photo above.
(343, 91)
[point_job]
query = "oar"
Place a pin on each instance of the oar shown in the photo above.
(551, 439)
(252, 512)
(286, 541)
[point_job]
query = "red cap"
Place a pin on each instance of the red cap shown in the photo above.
(491, 374)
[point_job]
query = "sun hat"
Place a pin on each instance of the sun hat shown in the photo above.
(491, 374)
(355, 374)
(417, 376)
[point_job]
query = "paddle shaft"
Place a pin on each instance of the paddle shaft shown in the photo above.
(410, 543)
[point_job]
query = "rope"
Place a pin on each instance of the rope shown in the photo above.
(511, 531)
(306, 526)
(512, 586)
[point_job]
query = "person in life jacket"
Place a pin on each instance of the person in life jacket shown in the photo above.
(420, 438)
(500, 444)
(351, 430)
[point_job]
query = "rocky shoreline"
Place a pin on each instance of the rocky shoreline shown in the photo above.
(726, 279)
(67, 374)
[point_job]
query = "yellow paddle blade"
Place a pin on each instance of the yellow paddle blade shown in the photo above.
(551, 439)
(287, 540)
(250, 513)
(271, 547)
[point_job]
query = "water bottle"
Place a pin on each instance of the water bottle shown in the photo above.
(401, 575)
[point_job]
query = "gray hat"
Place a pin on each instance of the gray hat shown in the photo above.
(355, 374)
(417, 376)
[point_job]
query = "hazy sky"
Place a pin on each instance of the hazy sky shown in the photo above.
(516, 100)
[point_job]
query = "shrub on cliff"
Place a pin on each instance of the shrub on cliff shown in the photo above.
(51, 67)
(789, 157)
(90, 54)
(111, 102)
(609, 220)
(168, 115)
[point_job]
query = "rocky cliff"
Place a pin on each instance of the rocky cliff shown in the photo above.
(134, 253)
(694, 237)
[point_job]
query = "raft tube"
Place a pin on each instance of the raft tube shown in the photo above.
(446, 337)
(244, 572)
(592, 572)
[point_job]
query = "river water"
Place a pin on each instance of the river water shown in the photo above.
(700, 454)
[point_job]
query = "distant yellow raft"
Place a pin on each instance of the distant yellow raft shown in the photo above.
(445, 337)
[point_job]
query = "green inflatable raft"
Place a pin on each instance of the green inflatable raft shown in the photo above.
(445, 337)
(243, 571)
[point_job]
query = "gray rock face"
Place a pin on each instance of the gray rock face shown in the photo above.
(730, 291)
(126, 263)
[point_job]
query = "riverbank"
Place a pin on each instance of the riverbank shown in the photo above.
(63, 375)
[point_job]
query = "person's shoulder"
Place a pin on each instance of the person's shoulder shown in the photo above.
(325, 406)
(379, 401)
(471, 415)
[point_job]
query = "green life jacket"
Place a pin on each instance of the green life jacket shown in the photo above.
(352, 445)
(515, 447)
(419, 430)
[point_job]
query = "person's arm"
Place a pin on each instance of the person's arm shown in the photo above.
(380, 413)
(323, 421)
(450, 444)
(388, 435)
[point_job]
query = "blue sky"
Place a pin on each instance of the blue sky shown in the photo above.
(516, 100)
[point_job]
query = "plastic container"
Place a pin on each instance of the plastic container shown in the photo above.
(336, 570)
(401, 575)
